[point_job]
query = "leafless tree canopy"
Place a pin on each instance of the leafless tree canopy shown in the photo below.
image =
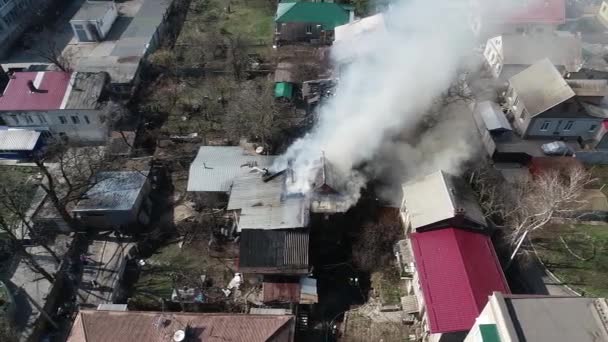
(529, 203)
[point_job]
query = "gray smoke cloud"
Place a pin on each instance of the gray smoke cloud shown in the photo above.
(384, 94)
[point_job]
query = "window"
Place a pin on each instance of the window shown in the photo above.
(63, 120)
(15, 118)
(86, 119)
(75, 119)
(545, 125)
(29, 119)
(41, 118)
(568, 125)
(308, 29)
(592, 127)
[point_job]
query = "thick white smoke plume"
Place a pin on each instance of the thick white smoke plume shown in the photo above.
(385, 90)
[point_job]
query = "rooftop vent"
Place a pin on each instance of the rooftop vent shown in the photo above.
(33, 89)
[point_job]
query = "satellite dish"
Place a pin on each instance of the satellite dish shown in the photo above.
(259, 149)
(179, 336)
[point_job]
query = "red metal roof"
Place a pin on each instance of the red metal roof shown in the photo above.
(605, 124)
(285, 292)
(17, 95)
(527, 12)
(458, 270)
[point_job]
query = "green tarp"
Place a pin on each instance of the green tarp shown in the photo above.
(283, 89)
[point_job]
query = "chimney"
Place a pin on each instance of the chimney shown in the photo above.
(33, 89)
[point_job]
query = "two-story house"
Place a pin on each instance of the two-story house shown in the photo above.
(508, 54)
(507, 17)
(310, 22)
(57, 103)
(545, 105)
(513, 318)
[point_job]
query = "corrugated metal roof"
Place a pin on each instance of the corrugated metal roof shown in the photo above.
(409, 304)
(457, 270)
(308, 290)
(274, 251)
(541, 87)
(265, 205)
(436, 197)
(215, 167)
(18, 140)
(116, 190)
(562, 49)
(132, 326)
(492, 116)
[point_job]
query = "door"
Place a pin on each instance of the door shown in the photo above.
(81, 33)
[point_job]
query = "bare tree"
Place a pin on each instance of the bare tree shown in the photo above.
(253, 113)
(530, 203)
(49, 51)
(374, 246)
(74, 172)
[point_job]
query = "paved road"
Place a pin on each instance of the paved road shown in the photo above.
(536, 280)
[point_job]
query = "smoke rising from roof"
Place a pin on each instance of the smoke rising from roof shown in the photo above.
(384, 94)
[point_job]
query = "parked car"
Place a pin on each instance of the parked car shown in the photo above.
(557, 148)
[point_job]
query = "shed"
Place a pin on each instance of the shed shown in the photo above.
(283, 251)
(94, 20)
(283, 90)
(457, 270)
(119, 198)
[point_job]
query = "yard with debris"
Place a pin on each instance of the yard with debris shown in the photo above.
(172, 266)
(577, 254)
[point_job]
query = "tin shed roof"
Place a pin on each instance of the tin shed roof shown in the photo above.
(274, 251)
(458, 270)
(117, 190)
(215, 167)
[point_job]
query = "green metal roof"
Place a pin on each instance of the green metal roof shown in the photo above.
(283, 89)
(489, 333)
(327, 14)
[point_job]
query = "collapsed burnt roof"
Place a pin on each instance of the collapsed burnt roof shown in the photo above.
(315, 91)
(327, 194)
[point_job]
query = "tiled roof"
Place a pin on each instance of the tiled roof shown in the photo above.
(458, 270)
(132, 326)
(215, 167)
(274, 251)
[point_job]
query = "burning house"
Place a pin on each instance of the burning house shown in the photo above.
(326, 194)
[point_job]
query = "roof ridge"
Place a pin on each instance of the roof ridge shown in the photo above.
(464, 264)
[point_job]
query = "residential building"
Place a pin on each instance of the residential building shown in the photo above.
(455, 272)
(310, 22)
(128, 326)
(57, 103)
(103, 271)
(438, 200)
(545, 105)
(508, 54)
(215, 167)
(16, 16)
(508, 17)
(93, 20)
(19, 143)
(514, 318)
(134, 33)
(117, 200)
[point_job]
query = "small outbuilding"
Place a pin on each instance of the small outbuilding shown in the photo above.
(117, 200)
(94, 20)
